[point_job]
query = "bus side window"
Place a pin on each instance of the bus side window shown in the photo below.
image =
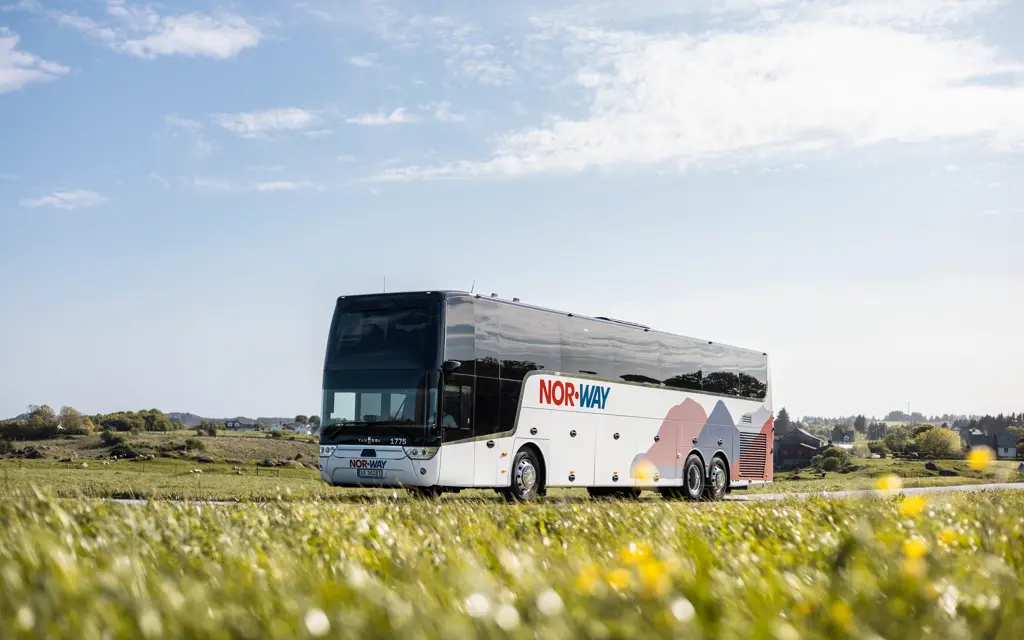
(457, 408)
(487, 412)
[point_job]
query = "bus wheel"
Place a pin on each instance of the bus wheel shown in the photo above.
(525, 477)
(718, 482)
(693, 478)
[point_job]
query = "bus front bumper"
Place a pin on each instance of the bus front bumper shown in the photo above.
(347, 469)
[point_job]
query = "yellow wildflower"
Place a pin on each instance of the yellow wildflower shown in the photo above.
(841, 614)
(587, 580)
(618, 579)
(912, 567)
(654, 578)
(979, 457)
(911, 506)
(635, 553)
(947, 536)
(915, 548)
(889, 482)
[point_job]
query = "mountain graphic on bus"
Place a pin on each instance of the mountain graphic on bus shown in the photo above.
(688, 421)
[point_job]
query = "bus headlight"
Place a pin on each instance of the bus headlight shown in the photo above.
(421, 453)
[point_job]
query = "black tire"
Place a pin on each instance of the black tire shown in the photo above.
(718, 480)
(693, 478)
(526, 477)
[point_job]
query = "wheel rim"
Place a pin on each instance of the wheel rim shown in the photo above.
(718, 478)
(526, 477)
(693, 479)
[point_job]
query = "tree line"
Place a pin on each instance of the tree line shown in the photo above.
(42, 422)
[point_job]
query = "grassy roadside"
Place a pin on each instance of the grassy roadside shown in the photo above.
(949, 566)
(177, 479)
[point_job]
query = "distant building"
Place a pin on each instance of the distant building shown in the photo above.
(796, 448)
(841, 435)
(1006, 444)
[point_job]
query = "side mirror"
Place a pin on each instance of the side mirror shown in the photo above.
(451, 365)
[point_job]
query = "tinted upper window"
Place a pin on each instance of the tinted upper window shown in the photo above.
(680, 362)
(529, 342)
(384, 334)
(460, 335)
(753, 370)
(488, 337)
(720, 370)
(635, 355)
(586, 348)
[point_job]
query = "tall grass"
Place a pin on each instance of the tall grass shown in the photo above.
(948, 566)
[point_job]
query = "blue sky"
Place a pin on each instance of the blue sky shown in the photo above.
(185, 188)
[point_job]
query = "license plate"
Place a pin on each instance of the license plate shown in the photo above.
(370, 473)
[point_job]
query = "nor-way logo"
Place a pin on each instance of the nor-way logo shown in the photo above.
(559, 393)
(366, 464)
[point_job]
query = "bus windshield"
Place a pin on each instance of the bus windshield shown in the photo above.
(387, 404)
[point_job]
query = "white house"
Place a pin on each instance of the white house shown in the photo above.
(1006, 444)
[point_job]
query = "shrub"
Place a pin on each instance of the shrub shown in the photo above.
(194, 444)
(860, 450)
(831, 464)
(878, 446)
(816, 461)
(937, 443)
(5, 447)
(111, 439)
(276, 434)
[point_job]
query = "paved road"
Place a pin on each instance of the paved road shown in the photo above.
(866, 493)
(742, 496)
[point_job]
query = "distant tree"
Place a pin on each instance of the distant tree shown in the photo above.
(921, 428)
(314, 420)
(897, 438)
(937, 442)
(301, 419)
(876, 430)
(783, 425)
(861, 424)
(73, 422)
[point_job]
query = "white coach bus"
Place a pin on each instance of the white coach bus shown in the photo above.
(438, 391)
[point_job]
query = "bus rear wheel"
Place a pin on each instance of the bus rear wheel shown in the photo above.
(526, 482)
(718, 480)
(693, 478)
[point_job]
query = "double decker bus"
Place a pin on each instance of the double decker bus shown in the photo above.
(439, 391)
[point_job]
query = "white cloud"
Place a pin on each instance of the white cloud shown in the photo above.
(443, 113)
(467, 53)
(183, 123)
(139, 30)
(880, 72)
(398, 116)
(18, 68)
(480, 62)
(258, 124)
(364, 61)
(282, 185)
(156, 177)
(66, 200)
(221, 185)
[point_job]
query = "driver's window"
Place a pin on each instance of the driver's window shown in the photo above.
(457, 408)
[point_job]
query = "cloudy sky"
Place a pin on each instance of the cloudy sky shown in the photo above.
(186, 187)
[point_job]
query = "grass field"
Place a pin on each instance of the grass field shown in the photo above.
(950, 566)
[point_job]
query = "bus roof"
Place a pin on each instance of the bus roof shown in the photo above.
(448, 293)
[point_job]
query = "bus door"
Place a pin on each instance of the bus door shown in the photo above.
(457, 452)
